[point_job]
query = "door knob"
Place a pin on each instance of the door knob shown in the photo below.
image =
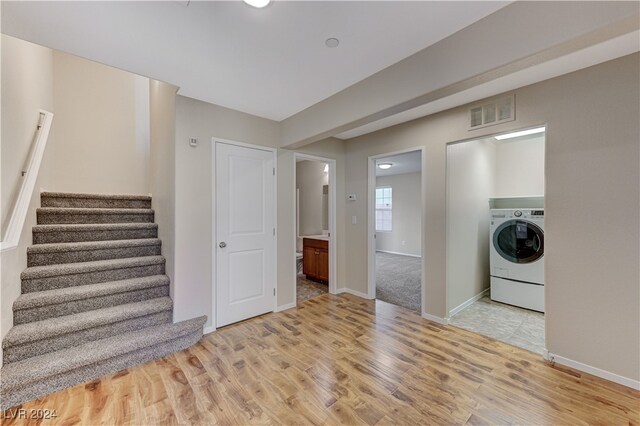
(222, 244)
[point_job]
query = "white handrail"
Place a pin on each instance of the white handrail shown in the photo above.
(19, 213)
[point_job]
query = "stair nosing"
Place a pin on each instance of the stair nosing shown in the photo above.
(95, 196)
(38, 299)
(90, 210)
(58, 326)
(63, 269)
(54, 363)
(91, 245)
(80, 227)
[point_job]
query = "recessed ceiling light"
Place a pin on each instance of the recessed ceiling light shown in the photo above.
(257, 3)
(384, 166)
(520, 133)
(332, 42)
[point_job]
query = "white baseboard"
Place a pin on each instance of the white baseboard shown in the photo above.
(443, 321)
(397, 252)
(603, 374)
(209, 329)
(354, 292)
(468, 302)
(285, 307)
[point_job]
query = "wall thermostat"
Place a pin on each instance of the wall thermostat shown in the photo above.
(351, 197)
(193, 142)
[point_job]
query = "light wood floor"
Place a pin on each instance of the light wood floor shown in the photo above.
(346, 360)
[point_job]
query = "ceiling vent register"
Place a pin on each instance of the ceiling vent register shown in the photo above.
(493, 112)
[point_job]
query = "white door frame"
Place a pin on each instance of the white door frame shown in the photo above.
(333, 256)
(214, 288)
(371, 222)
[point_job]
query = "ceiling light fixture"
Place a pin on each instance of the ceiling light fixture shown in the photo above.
(257, 3)
(332, 42)
(520, 133)
(326, 168)
(384, 166)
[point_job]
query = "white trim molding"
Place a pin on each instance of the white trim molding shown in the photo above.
(208, 330)
(594, 371)
(285, 307)
(463, 305)
(354, 292)
(21, 208)
(439, 320)
(398, 253)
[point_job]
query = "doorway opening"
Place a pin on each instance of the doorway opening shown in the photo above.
(395, 229)
(495, 237)
(315, 250)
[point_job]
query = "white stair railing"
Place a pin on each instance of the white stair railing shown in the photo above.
(30, 174)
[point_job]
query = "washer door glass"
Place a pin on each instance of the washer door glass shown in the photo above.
(519, 241)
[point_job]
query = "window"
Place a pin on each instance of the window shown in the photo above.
(383, 208)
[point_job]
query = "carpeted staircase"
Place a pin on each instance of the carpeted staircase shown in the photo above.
(95, 297)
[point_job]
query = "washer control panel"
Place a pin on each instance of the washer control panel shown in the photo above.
(515, 213)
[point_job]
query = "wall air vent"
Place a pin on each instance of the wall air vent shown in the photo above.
(493, 112)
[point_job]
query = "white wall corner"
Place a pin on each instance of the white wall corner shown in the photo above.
(285, 307)
(439, 320)
(594, 371)
(354, 292)
(209, 329)
(467, 303)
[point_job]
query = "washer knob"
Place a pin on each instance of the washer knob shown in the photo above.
(517, 213)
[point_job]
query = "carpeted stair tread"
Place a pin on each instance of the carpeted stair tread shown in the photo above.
(22, 373)
(69, 294)
(47, 271)
(39, 330)
(96, 196)
(83, 210)
(65, 233)
(89, 251)
(91, 245)
(78, 227)
(63, 199)
(54, 215)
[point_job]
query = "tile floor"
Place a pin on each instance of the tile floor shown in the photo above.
(307, 289)
(509, 324)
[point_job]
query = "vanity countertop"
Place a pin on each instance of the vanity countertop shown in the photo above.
(317, 237)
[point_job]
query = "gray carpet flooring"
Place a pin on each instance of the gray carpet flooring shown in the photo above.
(398, 280)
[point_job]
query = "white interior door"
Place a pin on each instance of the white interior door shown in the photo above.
(245, 233)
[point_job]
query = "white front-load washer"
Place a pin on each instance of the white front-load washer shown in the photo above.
(517, 257)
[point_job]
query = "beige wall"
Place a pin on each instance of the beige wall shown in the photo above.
(193, 195)
(27, 86)
(193, 283)
(162, 113)
(470, 181)
(519, 167)
(102, 123)
(406, 215)
(592, 168)
(310, 177)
